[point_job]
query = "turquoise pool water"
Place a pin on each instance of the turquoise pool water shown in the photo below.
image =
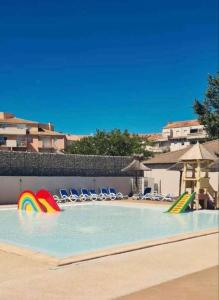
(88, 227)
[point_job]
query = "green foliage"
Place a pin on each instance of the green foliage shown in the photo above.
(112, 143)
(208, 111)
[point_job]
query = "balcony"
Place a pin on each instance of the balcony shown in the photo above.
(14, 145)
(21, 144)
(158, 149)
(12, 131)
(197, 136)
(45, 147)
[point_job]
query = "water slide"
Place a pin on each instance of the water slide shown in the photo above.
(181, 204)
(42, 201)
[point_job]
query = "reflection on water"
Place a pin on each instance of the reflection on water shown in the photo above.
(201, 219)
(42, 222)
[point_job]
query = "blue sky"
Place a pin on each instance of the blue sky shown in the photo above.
(94, 64)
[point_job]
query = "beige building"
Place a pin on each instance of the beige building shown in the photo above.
(168, 181)
(23, 135)
(177, 135)
(71, 138)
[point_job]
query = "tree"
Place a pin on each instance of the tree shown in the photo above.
(112, 143)
(208, 111)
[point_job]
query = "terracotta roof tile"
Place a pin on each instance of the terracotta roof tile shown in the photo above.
(151, 136)
(46, 133)
(183, 124)
(16, 121)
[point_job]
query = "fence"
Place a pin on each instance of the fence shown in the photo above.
(50, 164)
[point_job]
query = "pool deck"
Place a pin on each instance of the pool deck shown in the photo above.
(147, 270)
(193, 286)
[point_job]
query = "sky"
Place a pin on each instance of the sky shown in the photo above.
(87, 65)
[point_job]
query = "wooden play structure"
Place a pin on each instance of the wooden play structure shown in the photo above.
(195, 176)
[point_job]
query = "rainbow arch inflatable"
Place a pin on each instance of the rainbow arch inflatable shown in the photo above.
(42, 201)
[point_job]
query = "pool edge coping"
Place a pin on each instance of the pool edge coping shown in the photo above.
(60, 262)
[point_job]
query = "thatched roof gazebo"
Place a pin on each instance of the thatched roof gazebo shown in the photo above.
(197, 153)
(137, 167)
(196, 161)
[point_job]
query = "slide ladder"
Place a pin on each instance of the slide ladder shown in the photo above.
(181, 204)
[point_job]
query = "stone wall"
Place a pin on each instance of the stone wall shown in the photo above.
(50, 164)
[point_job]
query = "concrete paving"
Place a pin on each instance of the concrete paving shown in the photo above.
(105, 278)
(200, 285)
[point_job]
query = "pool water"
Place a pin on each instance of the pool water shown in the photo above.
(88, 227)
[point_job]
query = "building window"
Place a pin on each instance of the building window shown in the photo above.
(21, 141)
(194, 130)
(46, 142)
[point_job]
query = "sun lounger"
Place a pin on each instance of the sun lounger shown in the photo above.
(94, 195)
(59, 199)
(113, 192)
(105, 193)
(152, 196)
(75, 195)
(158, 197)
(86, 194)
(99, 196)
(144, 195)
(168, 197)
(64, 194)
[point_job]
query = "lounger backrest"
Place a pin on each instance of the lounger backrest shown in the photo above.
(92, 191)
(147, 190)
(104, 191)
(112, 190)
(63, 192)
(74, 192)
(84, 191)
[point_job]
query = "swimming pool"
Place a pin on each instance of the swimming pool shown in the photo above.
(88, 227)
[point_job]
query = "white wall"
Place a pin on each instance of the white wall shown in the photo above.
(169, 180)
(11, 186)
(174, 146)
(214, 180)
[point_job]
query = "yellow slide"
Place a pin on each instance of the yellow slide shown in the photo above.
(180, 205)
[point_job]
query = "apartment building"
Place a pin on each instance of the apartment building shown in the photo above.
(71, 138)
(23, 135)
(178, 135)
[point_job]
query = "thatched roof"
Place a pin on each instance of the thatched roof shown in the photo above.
(214, 167)
(173, 157)
(136, 165)
(176, 167)
(197, 152)
(179, 166)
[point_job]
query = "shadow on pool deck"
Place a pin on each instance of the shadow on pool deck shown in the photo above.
(200, 285)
